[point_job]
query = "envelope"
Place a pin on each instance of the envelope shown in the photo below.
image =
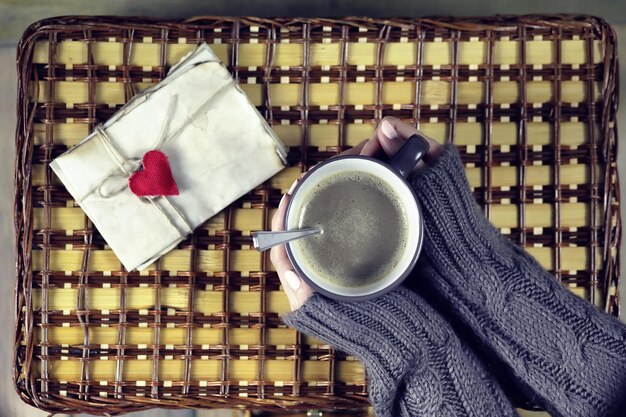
(217, 144)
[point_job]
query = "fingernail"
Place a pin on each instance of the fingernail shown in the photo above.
(293, 186)
(388, 130)
(292, 280)
(282, 199)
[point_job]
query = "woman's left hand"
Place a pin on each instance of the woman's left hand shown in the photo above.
(388, 137)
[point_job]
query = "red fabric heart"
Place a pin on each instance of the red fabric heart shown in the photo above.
(155, 178)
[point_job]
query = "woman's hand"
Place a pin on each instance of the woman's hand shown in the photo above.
(387, 139)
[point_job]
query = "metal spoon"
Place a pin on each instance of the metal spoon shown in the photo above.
(264, 240)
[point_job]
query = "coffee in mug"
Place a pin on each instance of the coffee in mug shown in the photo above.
(364, 227)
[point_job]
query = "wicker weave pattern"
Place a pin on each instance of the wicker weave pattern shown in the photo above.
(530, 102)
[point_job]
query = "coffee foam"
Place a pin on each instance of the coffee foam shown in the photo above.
(334, 260)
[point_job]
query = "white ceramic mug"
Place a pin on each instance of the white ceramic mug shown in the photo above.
(394, 174)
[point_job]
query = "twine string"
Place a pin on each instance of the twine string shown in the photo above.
(128, 166)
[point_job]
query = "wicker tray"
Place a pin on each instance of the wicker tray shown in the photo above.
(530, 102)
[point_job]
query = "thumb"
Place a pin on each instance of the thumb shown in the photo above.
(389, 139)
(392, 133)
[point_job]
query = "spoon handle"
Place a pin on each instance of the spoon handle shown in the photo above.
(264, 240)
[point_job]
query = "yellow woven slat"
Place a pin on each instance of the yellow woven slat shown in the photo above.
(145, 336)
(105, 260)
(361, 53)
(245, 261)
(539, 133)
(539, 215)
(62, 218)
(356, 93)
(572, 258)
(291, 135)
(535, 175)
(72, 218)
(214, 223)
(325, 54)
(323, 136)
(285, 178)
(109, 298)
(288, 54)
(253, 54)
(138, 298)
(203, 370)
(141, 370)
(67, 133)
(134, 335)
(248, 219)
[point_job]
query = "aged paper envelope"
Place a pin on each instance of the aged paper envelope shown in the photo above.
(218, 146)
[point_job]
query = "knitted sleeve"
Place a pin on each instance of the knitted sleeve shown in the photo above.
(415, 364)
(566, 353)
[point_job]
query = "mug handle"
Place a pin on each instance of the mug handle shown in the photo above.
(409, 154)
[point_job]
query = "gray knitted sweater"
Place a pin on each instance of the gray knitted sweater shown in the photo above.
(564, 353)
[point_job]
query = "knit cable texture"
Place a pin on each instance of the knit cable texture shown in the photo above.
(416, 365)
(564, 351)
